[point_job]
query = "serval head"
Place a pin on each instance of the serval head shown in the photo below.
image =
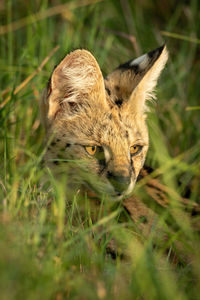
(100, 122)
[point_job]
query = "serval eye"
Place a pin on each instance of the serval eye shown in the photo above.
(134, 150)
(91, 149)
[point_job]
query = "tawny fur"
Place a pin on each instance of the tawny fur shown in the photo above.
(80, 108)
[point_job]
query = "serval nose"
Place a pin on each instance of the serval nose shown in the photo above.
(119, 181)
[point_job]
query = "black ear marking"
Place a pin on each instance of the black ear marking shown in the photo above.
(127, 66)
(125, 79)
(156, 52)
(143, 63)
(119, 102)
(108, 91)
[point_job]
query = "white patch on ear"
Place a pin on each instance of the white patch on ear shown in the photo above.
(145, 89)
(141, 61)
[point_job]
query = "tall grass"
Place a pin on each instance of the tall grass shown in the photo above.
(52, 249)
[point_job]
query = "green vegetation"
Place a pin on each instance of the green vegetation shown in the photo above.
(46, 250)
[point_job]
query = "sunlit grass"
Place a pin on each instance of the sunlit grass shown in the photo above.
(57, 248)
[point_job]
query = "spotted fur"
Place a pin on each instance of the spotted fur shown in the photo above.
(80, 108)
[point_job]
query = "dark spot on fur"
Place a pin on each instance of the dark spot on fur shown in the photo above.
(110, 117)
(140, 176)
(119, 102)
(132, 166)
(110, 105)
(143, 219)
(194, 212)
(56, 162)
(67, 145)
(148, 169)
(72, 104)
(120, 117)
(49, 148)
(58, 140)
(53, 143)
(103, 126)
(126, 134)
(102, 165)
(117, 88)
(126, 210)
(114, 254)
(108, 91)
(74, 107)
(156, 188)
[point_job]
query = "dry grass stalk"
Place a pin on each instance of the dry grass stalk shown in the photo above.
(30, 77)
(52, 11)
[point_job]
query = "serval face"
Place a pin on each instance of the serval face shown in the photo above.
(97, 126)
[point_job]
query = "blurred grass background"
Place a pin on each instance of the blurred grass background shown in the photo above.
(42, 253)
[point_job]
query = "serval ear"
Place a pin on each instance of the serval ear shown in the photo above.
(75, 84)
(136, 79)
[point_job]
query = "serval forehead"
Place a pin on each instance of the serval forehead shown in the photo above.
(113, 127)
(101, 127)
